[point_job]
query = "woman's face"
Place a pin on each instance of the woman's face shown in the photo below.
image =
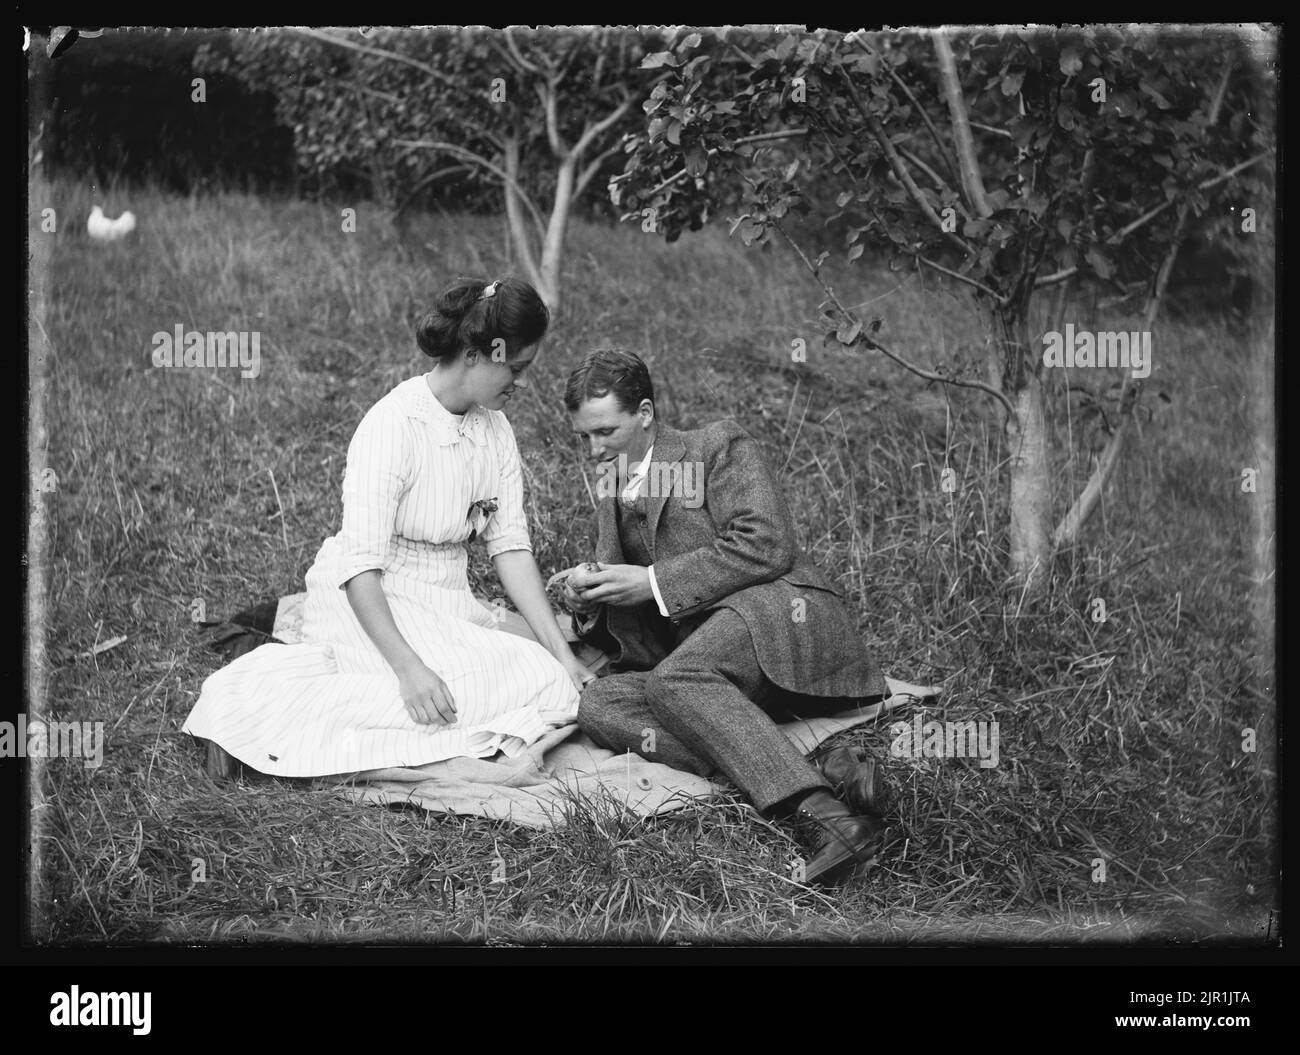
(492, 379)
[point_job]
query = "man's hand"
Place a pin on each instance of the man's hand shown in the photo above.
(622, 585)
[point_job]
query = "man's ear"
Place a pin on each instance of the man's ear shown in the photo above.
(471, 356)
(647, 411)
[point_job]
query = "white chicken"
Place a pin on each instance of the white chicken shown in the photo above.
(102, 229)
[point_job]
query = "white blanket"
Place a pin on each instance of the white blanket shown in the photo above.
(539, 786)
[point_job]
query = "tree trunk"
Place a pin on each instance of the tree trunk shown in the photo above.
(1031, 487)
(517, 221)
(553, 246)
(1029, 454)
(546, 275)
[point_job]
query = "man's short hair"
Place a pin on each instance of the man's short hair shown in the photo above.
(610, 370)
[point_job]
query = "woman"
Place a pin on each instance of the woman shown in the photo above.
(399, 664)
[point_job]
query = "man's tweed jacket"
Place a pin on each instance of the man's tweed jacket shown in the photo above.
(734, 549)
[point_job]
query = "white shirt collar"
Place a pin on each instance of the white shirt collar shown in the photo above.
(637, 476)
(450, 428)
(644, 466)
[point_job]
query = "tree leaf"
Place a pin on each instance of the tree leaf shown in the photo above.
(1012, 81)
(659, 58)
(1149, 89)
(1071, 63)
(848, 334)
(1100, 264)
(691, 69)
(868, 64)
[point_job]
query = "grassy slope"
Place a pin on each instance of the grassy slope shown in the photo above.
(1119, 740)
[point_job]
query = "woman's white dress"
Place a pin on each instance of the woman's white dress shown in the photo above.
(331, 703)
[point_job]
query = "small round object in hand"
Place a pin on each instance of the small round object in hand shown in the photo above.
(580, 577)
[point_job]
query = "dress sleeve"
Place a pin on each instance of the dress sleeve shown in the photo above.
(377, 475)
(508, 527)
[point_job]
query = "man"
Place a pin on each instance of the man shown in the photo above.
(715, 621)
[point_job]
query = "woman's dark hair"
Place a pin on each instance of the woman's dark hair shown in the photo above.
(463, 318)
(610, 370)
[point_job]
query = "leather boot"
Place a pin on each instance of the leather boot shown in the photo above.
(840, 838)
(856, 777)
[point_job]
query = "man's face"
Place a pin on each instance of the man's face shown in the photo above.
(608, 430)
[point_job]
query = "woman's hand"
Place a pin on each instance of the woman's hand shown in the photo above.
(571, 583)
(580, 674)
(577, 602)
(426, 696)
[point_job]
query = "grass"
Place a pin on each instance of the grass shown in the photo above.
(1120, 740)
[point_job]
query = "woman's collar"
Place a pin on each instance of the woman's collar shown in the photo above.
(423, 404)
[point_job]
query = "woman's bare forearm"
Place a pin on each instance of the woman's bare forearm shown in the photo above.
(366, 596)
(523, 585)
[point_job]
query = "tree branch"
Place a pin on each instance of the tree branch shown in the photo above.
(482, 162)
(590, 171)
(1146, 218)
(965, 145)
(388, 97)
(513, 217)
(1142, 221)
(993, 131)
(935, 178)
(934, 132)
(998, 297)
(392, 56)
(767, 137)
(896, 163)
(1067, 531)
(593, 131)
(875, 345)
(602, 41)
(761, 137)
(427, 181)
(547, 93)
(1056, 276)
(518, 55)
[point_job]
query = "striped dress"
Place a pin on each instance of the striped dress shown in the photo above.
(331, 704)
